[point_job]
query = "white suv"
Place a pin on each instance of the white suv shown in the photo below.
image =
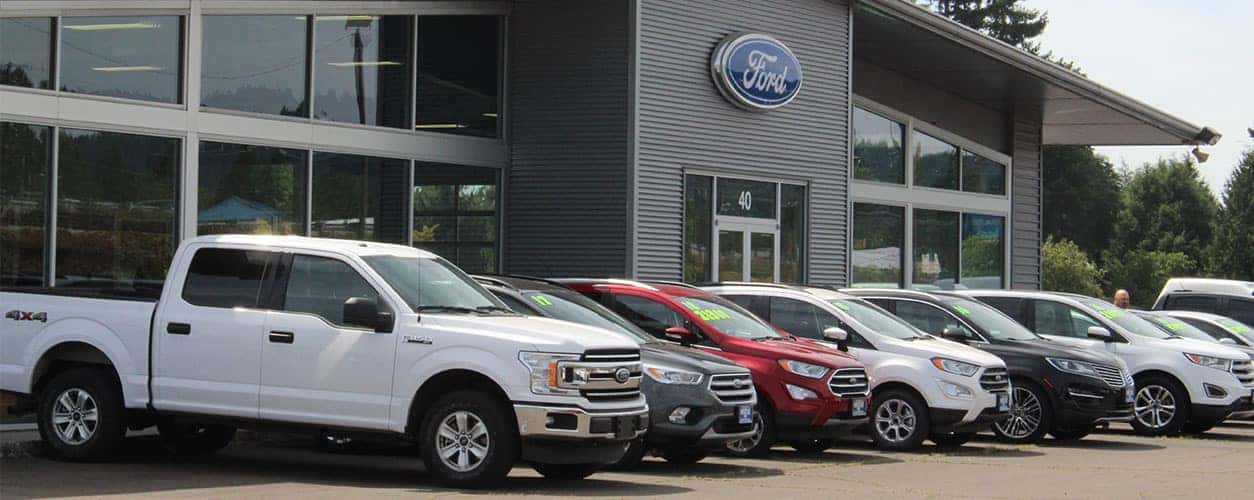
(922, 386)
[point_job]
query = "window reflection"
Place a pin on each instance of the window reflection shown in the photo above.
(26, 52)
(982, 175)
(116, 226)
(358, 197)
(250, 190)
(698, 228)
(879, 235)
(792, 233)
(131, 57)
(983, 251)
(877, 148)
(935, 162)
(458, 82)
(935, 249)
(23, 195)
(455, 214)
(361, 70)
(255, 64)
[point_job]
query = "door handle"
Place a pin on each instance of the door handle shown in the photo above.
(178, 328)
(282, 337)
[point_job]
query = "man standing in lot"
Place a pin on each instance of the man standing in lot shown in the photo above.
(1122, 299)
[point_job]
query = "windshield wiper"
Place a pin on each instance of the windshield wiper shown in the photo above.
(495, 309)
(456, 309)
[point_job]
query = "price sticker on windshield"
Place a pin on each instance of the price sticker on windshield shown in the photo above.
(705, 313)
(964, 310)
(541, 300)
(1110, 313)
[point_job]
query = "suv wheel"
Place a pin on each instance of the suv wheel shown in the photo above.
(759, 444)
(1031, 415)
(899, 420)
(467, 442)
(1161, 406)
(635, 454)
(81, 415)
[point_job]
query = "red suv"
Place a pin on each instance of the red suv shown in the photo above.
(809, 393)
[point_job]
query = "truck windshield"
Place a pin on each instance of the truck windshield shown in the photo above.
(433, 283)
(876, 319)
(729, 318)
(575, 308)
(994, 323)
(1173, 326)
(1127, 321)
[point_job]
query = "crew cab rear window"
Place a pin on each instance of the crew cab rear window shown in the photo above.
(226, 277)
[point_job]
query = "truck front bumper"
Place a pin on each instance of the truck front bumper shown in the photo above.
(573, 435)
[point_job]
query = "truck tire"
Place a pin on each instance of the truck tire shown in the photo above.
(466, 440)
(899, 420)
(761, 442)
(953, 439)
(1031, 415)
(566, 472)
(684, 456)
(635, 454)
(81, 416)
(1160, 407)
(811, 445)
(193, 438)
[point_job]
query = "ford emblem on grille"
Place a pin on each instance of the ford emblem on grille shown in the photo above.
(621, 375)
(739, 384)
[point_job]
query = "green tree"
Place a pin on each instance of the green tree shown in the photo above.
(1006, 20)
(1167, 207)
(1081, 199)
(1232, 253)
(1066, 268)
(1142, 273)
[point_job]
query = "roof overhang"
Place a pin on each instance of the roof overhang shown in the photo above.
(911, 40)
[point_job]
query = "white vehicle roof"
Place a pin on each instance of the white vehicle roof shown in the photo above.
(1181, 313)
(1209, 285)
(354, 247)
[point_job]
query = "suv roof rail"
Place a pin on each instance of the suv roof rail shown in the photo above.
(500, 279)
(745, 283)
(671, 283)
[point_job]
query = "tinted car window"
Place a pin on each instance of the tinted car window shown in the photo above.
(1054, 318)
(1120, 317)
(1008, 305)
(1197, 303)
(650, 315)
(800, 318)
(570, 306)
(1212, 330)
(319, 286)
(1174, 326)
(930, 319)
(729, 318)
(1241, 310)
(517, 305)
(876, 318)
(226, 277)
(990, 320)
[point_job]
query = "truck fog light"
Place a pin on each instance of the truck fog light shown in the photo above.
(954, 390)
(800, 393)
(679, 415)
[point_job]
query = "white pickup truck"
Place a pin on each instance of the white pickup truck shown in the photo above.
(323, 335)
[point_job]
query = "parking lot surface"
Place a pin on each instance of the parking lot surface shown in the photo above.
(1111, 464)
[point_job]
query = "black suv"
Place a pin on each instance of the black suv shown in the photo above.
(698, 402)
(1057, 389)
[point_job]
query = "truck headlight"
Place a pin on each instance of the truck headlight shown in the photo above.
(1210, 361)
(802, 368)
(955, 367)
(1073, 366)
(670, 375)
(546, 373)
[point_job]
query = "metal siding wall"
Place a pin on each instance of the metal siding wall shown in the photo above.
(569, 96)
(1025, 192)
(685, 124)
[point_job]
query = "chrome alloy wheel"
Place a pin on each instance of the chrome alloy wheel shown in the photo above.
(1025, 415)
(1155, 406)
(462, 441)
(749, 443)
(895, 420)
(75, 416)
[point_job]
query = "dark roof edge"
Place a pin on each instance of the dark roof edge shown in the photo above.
(1041, 68)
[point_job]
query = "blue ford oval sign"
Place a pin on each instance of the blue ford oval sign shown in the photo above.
(755, 72)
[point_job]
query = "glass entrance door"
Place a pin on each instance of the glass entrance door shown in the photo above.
(747, 251)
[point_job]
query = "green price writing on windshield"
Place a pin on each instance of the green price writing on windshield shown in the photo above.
(542, 300)
(963, 309)
(1110, 313)
(705, 314)
(841, 305)
(1174, 326)
(1234, 326)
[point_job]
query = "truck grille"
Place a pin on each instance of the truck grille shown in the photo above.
(848, 382)
(995, 379)
(1244, 370)
(732, 388)
(1112, 375)
(603, 366)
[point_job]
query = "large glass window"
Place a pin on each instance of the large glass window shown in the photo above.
(250, 189)
(26, 52)
(255, 63)
(455, 214)
(878, 150)
(983, 251)
(459, 74)
(361, 69)
(116, 224)
(982, 175)
(131, 57)
(24, 154)
(879, 235)
(744, 198)
(698, 227)
(935, 162)
(935, 249)
(792, 233)
(359, 197)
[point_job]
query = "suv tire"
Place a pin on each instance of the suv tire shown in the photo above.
(1031, 415)
(486, 445)
(635, 454)
(81, 416)
(1161, 406)
(899, 420)
(761, 442)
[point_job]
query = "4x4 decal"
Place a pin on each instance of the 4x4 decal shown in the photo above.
(15, 315)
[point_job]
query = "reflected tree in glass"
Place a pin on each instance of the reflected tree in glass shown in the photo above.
(878, 150)
(26, 52)
(455, 214)
(935, 249)
(130, 57)
(879, 236)
(935, 162)
(24, 153)
(362, 69)
(698, 228)
(255, 63)
(983, 251)
(250, 190)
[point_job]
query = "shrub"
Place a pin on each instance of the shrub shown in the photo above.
(1066, 268)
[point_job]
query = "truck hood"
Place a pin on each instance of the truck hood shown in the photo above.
(687, 358)
(543, 334)
(937, 347)
(795, 349)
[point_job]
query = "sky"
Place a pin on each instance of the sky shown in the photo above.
(1191, 58)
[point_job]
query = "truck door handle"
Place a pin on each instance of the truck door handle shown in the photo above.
(178, 328)
(282, 337)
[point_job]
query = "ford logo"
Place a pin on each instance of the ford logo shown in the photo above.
(622, 375)
(755, 72)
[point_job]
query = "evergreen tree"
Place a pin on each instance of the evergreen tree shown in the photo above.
(1232, 254)
(1167, 207)
(1081, 197)
(1005, 20)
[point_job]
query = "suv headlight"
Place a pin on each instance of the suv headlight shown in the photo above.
(1073, 366)
(955, 367)
(669, 375)
(1210, 361)
(802, 368)
(546, 372)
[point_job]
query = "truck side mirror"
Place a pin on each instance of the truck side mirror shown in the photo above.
(679, 334)
(953, 334)
(364, 312)
(838, 335)
(1100, 333)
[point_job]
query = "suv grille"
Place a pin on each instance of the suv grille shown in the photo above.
(604, 364)
(848, 382)
(995, 379)
(1244, 370)
(1113, 376)
(732, 388)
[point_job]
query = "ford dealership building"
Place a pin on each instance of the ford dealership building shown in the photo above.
(848, 142)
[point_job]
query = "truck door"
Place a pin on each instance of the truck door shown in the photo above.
(316, 368)
(206, 347)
